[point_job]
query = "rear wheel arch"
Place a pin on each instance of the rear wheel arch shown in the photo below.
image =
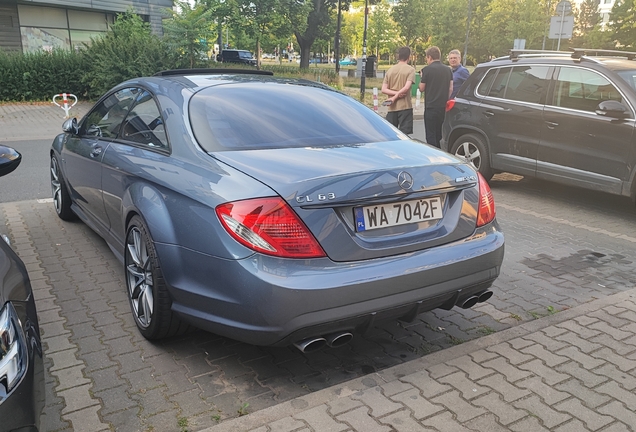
(144, 200)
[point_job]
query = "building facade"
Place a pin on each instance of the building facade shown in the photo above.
(31, 25)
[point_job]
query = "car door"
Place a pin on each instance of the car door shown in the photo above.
(512, 114)
(140, 151)
(579, 146)
(82, 154)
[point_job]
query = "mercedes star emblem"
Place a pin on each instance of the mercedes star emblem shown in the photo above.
(405, 180)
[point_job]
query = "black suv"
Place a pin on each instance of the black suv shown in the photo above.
(237, 56)
(566, 117)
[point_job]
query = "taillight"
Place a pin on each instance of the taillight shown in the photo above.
(269, 226)
(486, 211)
(450, 104)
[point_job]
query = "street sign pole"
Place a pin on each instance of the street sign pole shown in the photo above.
(561, 28)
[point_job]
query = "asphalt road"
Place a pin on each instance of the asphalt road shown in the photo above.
(31, 179)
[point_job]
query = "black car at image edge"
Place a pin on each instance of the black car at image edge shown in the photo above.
(566, 117)
(21, 363)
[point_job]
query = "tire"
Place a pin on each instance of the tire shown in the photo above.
(148, 295)
(473, 150)
(61, 197)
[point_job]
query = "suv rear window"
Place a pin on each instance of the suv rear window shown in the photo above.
(582, 89)
(629, 76)
(258, 115)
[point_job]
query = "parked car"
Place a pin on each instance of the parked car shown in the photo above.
(272, 211)
(21, 362)
(237, 56)
(563, 117)
(348, 61)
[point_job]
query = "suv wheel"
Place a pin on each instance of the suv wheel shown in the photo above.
(473, 150)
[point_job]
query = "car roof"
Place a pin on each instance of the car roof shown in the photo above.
(198, 79)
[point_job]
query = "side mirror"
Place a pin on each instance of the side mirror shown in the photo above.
(9, 160)
(71, 126)
(612, 108)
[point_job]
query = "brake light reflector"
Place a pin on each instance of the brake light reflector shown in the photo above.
(486, 210)
(269, 226)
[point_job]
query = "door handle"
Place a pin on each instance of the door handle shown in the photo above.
(551, 125)
(489, 113)
(96, 152)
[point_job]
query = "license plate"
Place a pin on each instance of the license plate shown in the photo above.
(399, 213)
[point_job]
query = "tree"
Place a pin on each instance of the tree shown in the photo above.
(188, 29)
(127, 50)
(352, 32)
(382, 30)
(588, 30)
(411, 17)
(622, 19)
(508, 20)
(261, 18)
(309, 20)
(448, 30)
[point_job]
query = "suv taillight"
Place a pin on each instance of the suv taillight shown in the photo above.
(450, 104)
(486, 211)
(269, 226)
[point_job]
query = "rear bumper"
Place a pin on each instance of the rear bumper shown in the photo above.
(263, 300)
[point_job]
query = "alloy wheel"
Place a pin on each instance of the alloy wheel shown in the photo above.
(56, 186)
(470, 153)
(139, 277)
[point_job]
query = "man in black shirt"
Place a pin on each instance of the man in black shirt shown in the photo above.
(437, 85)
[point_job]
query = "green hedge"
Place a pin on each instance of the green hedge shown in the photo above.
(40, 75)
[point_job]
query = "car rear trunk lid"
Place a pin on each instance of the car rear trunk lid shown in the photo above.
(370, 200)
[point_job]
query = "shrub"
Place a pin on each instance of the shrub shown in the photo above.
(128, 50)
(40, 75)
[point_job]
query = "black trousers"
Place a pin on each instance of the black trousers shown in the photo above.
(433, 120)
(403, 120)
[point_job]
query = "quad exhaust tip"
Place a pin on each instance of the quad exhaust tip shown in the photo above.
(333, 340)
(473, 300)
(311, 344)
(336, 340)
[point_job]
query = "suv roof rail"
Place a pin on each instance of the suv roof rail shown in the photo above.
(203, 71)
(575, 53)
(516, 53)
(580, 52)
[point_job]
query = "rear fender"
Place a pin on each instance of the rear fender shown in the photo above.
(146, 201)
(180, 221)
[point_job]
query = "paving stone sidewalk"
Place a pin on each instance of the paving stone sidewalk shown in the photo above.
(38, 120)
(573, 371)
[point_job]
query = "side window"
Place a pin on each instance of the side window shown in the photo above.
(486, 82)
(498, 88)
(528, 83)
(582, 89)
(106, 119)
(629, 76)
(144, 125)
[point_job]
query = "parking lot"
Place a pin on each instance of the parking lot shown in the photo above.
(564, 247)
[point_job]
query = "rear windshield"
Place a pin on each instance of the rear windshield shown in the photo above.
(629, 76)
(258, 115)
